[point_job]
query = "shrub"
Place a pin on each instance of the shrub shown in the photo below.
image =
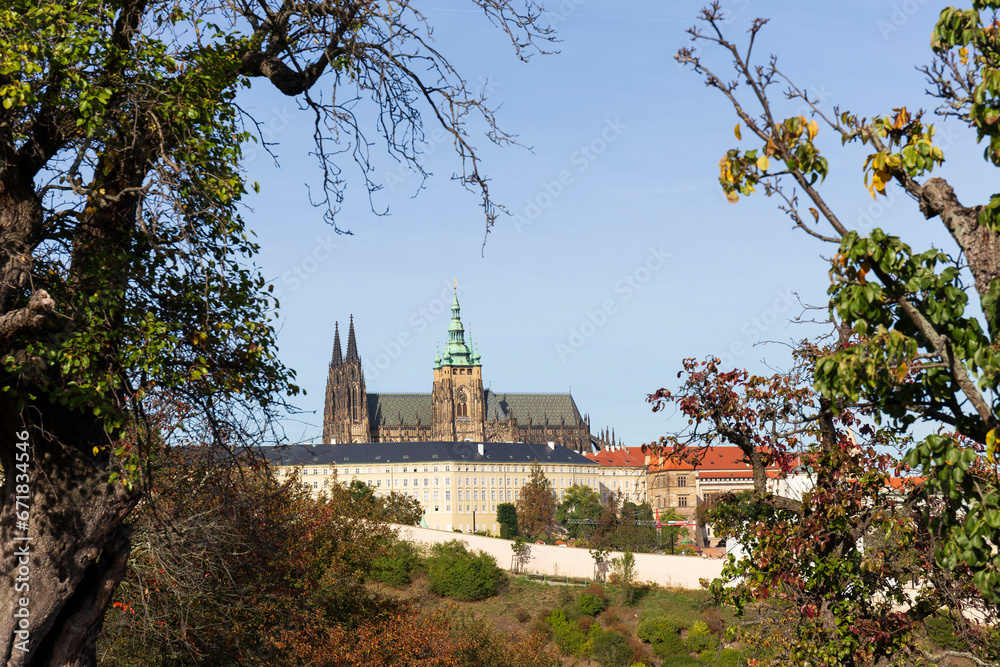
(590, 605)
(656, 629)
(941, 631)
(700, 638)
(570, 639)
(680, 660)
(611, 649)
(670, 646)
(727, 657)
(458, 574)
(396, 568)
(541, 627)
(713, 619)
(597, 591)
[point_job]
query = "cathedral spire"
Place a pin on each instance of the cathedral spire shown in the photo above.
(456, 353)
(352, 345)
(338, 357)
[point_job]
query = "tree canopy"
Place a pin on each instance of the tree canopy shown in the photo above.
(917, 329)
(536, 504)
(126, 269)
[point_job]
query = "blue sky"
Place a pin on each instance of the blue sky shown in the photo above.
(623, 257)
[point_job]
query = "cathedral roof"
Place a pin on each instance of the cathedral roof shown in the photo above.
(535, 408)
(386, 409)
(398, 452)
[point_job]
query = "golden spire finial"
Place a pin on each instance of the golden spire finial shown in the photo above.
(456, 285)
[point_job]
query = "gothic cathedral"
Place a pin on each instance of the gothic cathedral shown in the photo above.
(457, 409)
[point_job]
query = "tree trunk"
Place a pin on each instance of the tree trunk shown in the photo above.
(64, 543)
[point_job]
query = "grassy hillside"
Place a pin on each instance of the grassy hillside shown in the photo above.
(594, 626)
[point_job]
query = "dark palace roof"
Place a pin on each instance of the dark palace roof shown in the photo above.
(397, 452)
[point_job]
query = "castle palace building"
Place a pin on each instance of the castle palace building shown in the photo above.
(457, 409)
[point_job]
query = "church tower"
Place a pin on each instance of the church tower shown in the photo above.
(458, 407)
(345, 417)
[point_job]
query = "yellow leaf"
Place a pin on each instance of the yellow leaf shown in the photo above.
(902, 118)
(991, 444)
(733, 196)
(815, 214)
(813, 129)
(763, 162)
(877, 180)
(963, 54)
(736, 131)
(901, 372)
(95, 451)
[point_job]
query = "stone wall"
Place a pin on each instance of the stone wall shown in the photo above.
(674, 571)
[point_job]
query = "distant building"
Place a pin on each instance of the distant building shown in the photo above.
(458, 484)
(457, 409)
(682, 485)
(622, 472)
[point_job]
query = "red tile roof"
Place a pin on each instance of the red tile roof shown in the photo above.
(717, 462)
(625, 456)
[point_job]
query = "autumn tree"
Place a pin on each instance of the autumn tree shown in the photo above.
(536, 505)
(221, 548)
(125, 268)
(836, 537)
(923, 353)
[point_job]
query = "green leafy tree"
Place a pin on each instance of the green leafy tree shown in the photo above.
(536, 506)
(507, 518)
(125, 269)
(922, 353)
(393, 507)
(581, 505)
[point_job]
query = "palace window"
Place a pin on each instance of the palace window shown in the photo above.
(682, 481)
(682, 501)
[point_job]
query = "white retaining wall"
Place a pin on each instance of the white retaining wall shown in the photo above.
(675, 571)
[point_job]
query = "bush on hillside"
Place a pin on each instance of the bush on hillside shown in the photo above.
(714, 620)
(671, 645)
(657, 628)
(590, 605)
(396, 568)
(460, 575)
(611, 649)
(569, 637)
(681, 660)
(727, 657)
(700, 638)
